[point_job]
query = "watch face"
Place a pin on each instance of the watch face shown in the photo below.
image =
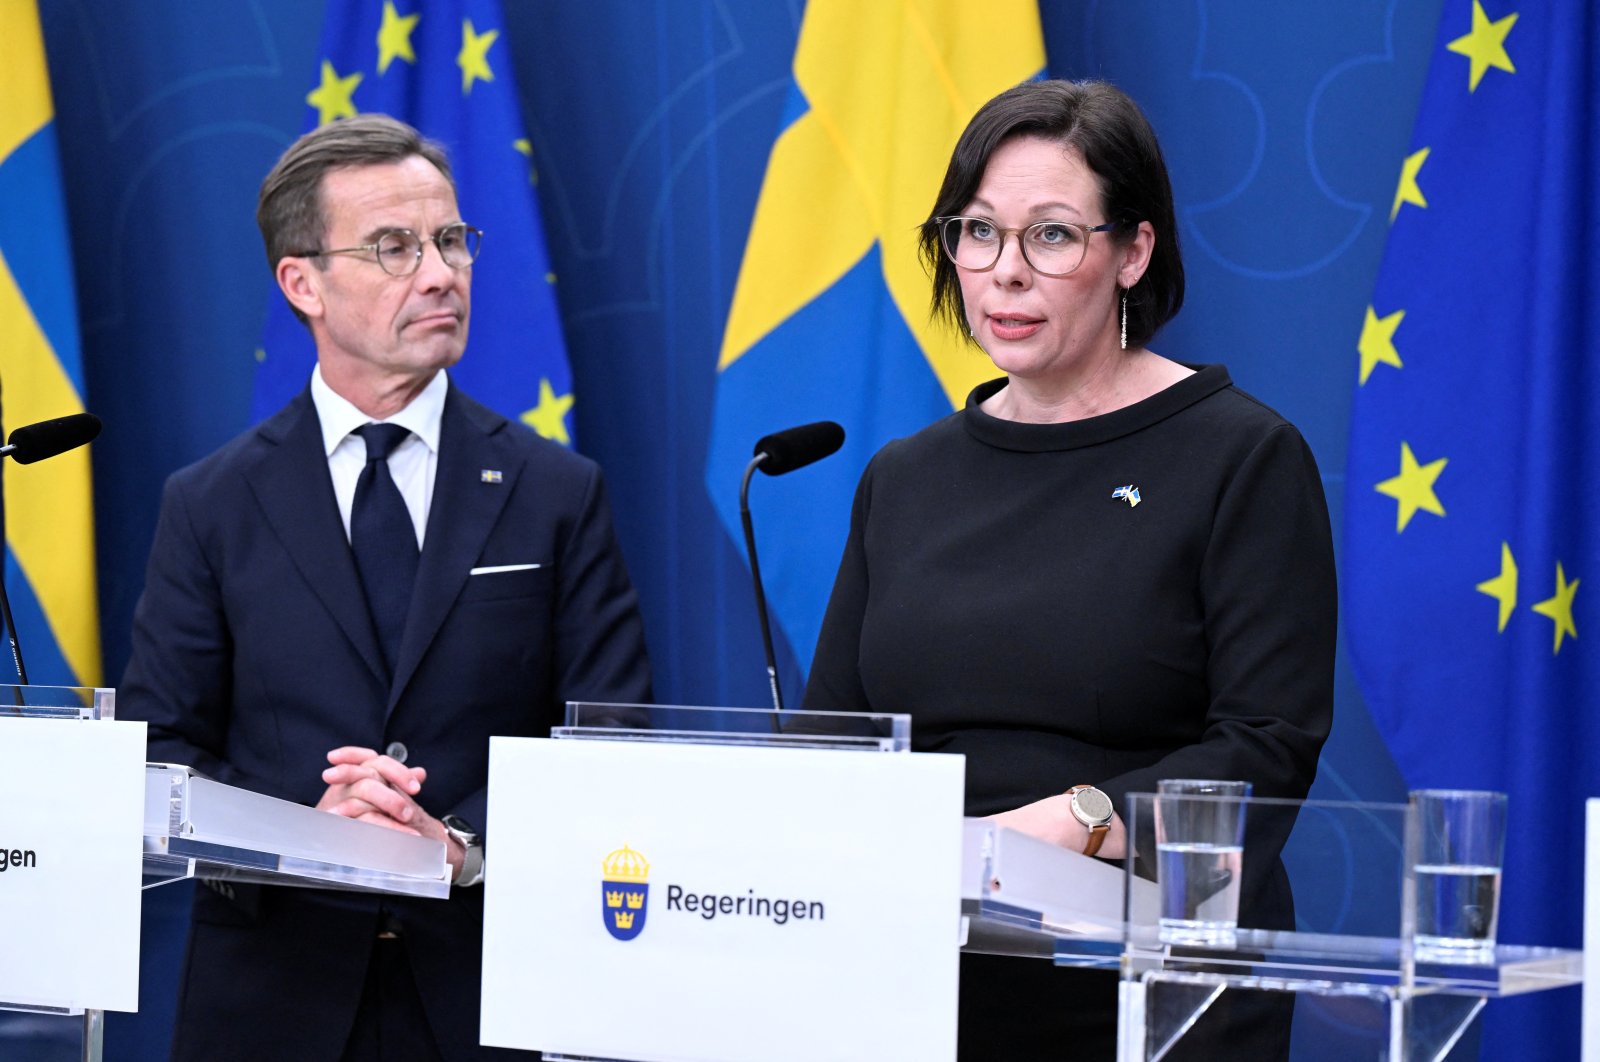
(1092, 806)
(461, 828)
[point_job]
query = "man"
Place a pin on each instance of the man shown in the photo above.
(342, 614)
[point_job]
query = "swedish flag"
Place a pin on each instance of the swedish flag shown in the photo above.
(445, 68)
(1473, 495)
(830, 314)
(50, 519)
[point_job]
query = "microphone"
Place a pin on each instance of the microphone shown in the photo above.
(35, 442)
(785, 451)
(775, 454)
(30, 443)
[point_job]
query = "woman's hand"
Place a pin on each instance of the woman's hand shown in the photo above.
(1051, 819)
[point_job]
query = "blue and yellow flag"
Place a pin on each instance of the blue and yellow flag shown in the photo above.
(1473, 497)
(445, 68)
(50, 516)
(830, 316)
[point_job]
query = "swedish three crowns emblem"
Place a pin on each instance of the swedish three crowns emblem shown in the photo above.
(624, 886)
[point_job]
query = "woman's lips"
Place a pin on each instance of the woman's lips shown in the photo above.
(1012, 326)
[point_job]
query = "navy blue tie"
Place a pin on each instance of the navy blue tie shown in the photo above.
(384, 539)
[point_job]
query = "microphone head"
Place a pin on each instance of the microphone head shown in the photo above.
(797, 447)
(35, 442)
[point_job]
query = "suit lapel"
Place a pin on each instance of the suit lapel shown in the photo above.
(463, 512)
(291, 483)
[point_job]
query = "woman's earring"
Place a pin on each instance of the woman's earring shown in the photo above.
(1124, 320)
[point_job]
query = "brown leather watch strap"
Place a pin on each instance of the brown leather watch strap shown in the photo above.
(1097, 830)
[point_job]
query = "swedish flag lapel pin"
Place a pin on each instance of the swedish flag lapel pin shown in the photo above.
(1130, 494)
(490, 475)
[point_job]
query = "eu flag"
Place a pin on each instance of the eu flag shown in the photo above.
(829, 319)
(49, 563)
(444, 68)
(1473, 497)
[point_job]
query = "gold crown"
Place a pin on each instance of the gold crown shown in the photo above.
(635, 900)
(624, 919)
(613, 899)
(625, 865)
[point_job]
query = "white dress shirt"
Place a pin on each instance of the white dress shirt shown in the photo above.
(412, 464)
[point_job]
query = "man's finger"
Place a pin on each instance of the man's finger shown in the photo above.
(385, 798)
(395, 773)
(351, 754)
(347, 774)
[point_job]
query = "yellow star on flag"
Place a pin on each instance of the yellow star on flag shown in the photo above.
(1503, 587)
(1485, 45)
(394, 37)
(1407, 191)
(1377, 341)
(1559, 607)
(334, 97)
(524, 148)
(473, 59)
(549, 417)
(1413, 487)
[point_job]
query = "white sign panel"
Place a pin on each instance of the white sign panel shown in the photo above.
(71, 858)
(1591, 934)
(669, 903)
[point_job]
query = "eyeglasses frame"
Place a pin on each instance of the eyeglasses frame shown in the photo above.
(416, 262)
(1087, 230)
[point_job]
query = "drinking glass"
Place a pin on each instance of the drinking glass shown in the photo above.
(1200, 857)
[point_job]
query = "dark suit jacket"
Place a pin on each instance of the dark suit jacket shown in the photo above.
(254, 655)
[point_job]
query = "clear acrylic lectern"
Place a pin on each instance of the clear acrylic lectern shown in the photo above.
(1359, 955)
(195, 827)
(1350, 967)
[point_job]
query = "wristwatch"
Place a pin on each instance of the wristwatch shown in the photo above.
(472, 847)
(1092, 808)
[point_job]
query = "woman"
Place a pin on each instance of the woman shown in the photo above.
(1110, 567)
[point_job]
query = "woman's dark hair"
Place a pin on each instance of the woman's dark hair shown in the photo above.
(1116, 141)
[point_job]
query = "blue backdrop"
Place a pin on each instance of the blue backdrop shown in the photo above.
(650, 121)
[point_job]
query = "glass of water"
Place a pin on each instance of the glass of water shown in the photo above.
(1200, 856)
(1454, 854)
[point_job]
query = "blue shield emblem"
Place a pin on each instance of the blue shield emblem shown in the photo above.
(623, 907)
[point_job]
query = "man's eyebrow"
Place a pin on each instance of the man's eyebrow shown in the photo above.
(374, 235)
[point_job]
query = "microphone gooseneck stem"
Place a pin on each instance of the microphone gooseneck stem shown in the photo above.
(5, 599)
(11, 633)
(755, 575)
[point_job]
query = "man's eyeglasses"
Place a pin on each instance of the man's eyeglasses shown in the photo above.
(400, 252)
(1052, 248)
